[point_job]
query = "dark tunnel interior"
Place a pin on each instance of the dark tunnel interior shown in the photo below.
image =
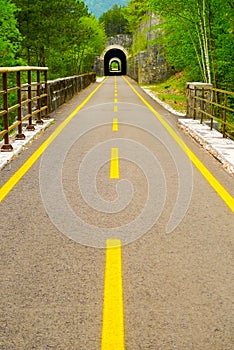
(115, 54)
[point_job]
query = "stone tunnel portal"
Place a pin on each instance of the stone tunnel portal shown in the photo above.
(118, 56)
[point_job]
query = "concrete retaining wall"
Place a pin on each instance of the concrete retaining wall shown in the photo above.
(62, 90)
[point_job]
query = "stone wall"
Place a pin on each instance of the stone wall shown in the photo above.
(62, 90)
(124, 40)
(149, 66)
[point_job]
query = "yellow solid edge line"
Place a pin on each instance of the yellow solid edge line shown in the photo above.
(115, 126)
(113, 309)
(9, 185)
(223, 193)
(114, 164)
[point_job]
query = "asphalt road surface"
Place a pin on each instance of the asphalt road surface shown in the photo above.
(116, 232)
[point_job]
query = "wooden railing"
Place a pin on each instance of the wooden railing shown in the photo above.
(204, 102)
(22, 100)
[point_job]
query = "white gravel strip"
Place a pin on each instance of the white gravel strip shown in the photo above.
(20, 145)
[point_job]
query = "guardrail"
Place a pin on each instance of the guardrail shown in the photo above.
(23, 101)
(206, 102)
(28, 100)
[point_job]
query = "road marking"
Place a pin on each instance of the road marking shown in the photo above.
(115, 108)
(115, 100)
(116, 95)
(10, 184)
(116, 91)
(113, 310)
(115, 126)
(114, 164)
(222, 192)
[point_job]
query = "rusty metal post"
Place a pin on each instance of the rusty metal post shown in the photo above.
(202, 105)
(20, 135)
(39, 120)
(188, 100)
(212, 109)
(7, 147)
(195, 103)
(46, 97)
(30, 126)
(224, 115)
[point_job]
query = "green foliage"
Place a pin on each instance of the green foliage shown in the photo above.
(90, 43)
(114, 21)
(10, 39)
(55, 36)
(135, 13)
(139, 42)
(198, 35)
(9, 34)
(98, 7)
(172, 91)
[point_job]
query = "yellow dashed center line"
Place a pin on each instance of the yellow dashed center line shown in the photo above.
(114, 164)
(115, 109)
(115, 100)
(115, 126)
(113, 310)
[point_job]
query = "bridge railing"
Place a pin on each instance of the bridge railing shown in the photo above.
(215, 105)
(22, 100)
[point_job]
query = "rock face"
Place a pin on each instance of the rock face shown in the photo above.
(149, 66)
(124, 40)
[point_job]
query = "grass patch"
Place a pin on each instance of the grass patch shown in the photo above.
(172, 91)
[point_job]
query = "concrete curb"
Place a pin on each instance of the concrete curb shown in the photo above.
(212, 140)
(20, 145)
(99, 79)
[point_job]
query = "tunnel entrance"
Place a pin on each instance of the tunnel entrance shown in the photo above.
(115, 62)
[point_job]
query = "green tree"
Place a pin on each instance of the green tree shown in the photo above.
(87, 46)
(10, 37)
(55, 36)
(198, 34)
(47, 25)
(115, 21)
(135, 13)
